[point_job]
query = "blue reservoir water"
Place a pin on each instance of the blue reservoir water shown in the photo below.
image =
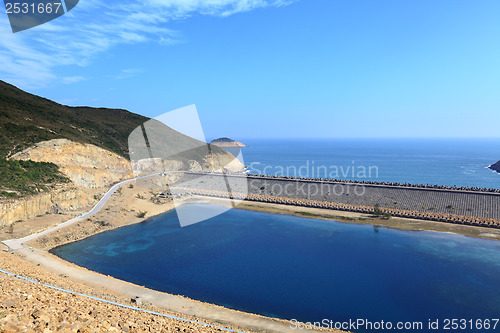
(307, 269)
(460, 162)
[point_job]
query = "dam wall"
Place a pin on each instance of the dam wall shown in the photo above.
(439, 204)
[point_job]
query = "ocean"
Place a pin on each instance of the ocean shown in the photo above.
(461, 162)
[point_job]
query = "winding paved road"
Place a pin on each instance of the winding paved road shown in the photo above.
(16, 244)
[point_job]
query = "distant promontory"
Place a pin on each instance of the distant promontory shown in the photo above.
(495, 167)
(226, 143)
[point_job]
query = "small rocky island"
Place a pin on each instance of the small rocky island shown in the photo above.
(495, 167)
(226, 143)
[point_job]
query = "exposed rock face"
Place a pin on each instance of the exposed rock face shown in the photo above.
(156, 164)
(86, 165)
(235, 166)
(62, 199)
(495, 167)
(219, 162)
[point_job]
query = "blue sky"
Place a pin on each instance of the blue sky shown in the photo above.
(274, 68)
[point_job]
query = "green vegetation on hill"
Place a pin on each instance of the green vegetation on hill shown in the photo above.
(223, 140)
(26, 119)
(27, 177)
(227, 143)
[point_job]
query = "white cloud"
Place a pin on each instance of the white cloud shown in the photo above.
(30, 59)
(72, 79)
(214, 7)
(127, 73)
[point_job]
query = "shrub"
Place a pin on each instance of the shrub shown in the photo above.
(103, 223)
(9, 194)
(141, 214)
(377, 211)
(28, 177)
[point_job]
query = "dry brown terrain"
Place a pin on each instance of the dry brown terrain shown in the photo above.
(124, 208)
(29, 307)
(121, 210)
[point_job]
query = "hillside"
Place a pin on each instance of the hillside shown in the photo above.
(27, 119)
(226, 143)
(495, 167)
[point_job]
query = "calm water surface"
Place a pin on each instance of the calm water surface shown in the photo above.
(451, 162)
(308, 269)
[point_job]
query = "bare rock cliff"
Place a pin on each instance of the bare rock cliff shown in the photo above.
(65, 198)
(89, 167)
(86, 165)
